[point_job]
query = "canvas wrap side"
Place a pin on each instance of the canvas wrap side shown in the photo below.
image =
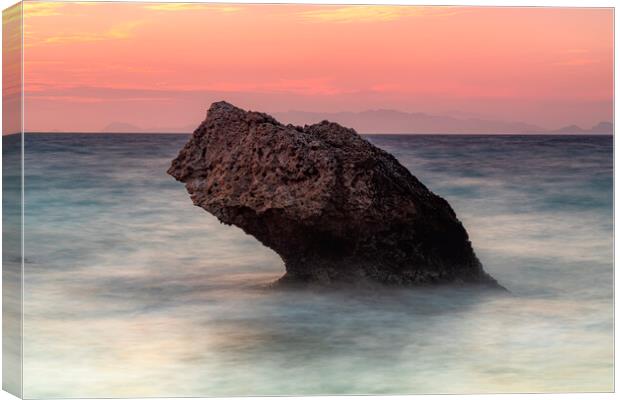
(12, 199)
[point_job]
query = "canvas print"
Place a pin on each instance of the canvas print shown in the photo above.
(221, 199)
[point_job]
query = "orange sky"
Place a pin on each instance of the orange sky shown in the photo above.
(159, 65)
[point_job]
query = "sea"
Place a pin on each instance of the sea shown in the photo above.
(130, 290)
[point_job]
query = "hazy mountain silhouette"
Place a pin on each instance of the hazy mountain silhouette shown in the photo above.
(392, 121)
(603, 127)
(120, 127)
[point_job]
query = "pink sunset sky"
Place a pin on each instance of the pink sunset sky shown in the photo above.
(160, 65)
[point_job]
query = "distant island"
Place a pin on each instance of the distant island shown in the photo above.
(392, 122)
(601, 127)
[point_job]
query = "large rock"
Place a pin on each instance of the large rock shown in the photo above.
(332, 205)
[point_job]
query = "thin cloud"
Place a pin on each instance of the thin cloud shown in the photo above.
(53, 8)
(94, 99)
(576, 51)
(578, 62)
(42, 9)
(318, 86)
(121, 31)
(312, 86)
(192, 7)
(360, 13)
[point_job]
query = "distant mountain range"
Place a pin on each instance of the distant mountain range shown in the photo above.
(392, 121)
(601, 127)
(123, 127)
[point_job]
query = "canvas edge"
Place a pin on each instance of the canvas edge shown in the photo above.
(12, 200)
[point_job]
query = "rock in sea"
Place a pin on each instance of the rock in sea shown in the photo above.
(332, 205)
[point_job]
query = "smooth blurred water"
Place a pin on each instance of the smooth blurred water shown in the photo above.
(132, 291)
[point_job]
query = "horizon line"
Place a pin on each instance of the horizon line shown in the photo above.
(361, 134)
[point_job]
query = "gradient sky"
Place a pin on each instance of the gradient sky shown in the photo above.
(160, 65)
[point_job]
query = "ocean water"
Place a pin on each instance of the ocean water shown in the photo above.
(130, 290)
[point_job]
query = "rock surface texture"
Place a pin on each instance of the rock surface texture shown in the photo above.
(332, 205)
